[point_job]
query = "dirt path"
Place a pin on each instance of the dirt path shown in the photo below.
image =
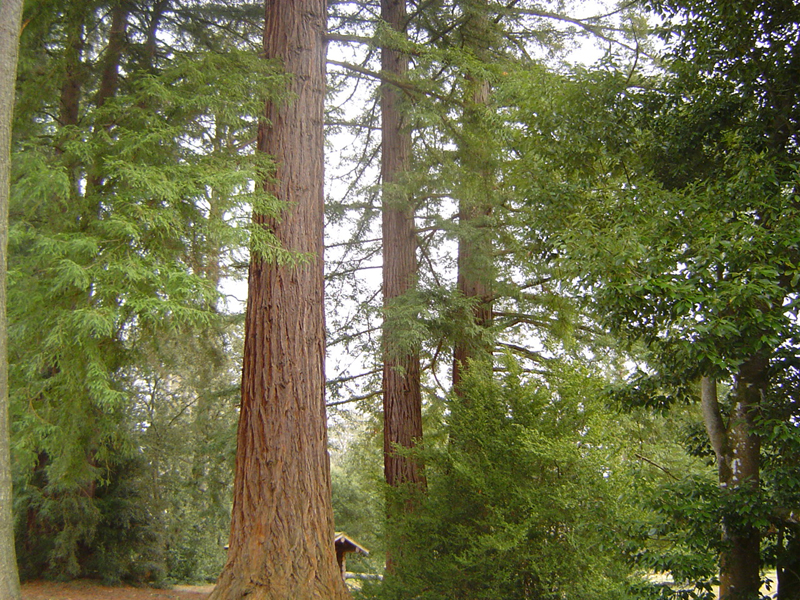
(89, 590)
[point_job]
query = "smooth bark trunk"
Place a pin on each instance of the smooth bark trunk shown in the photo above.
(738, 449)
(10, 22)
(282, 541)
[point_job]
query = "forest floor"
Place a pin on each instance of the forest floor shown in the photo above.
(90, 590)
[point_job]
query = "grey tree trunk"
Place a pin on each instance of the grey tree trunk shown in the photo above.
(282, 540)
(737, 447)
(10, 22)
(740, 560)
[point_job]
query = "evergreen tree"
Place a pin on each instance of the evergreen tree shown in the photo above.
(10, 22)
(281, 543)
(128, 173)
(476, 193)
(523, 509)
(402, 395)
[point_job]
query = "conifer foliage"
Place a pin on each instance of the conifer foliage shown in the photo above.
(540, 226)
(10, 21)
(132, 178)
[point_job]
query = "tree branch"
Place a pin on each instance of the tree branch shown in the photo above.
(355, 398)
(656, 465)
(350, 39)
(404, 85)
(715, 426)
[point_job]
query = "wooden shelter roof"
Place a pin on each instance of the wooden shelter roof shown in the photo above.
(346, 544)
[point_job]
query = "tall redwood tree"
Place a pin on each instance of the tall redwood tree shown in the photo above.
(476, 270)
(402, 399)
(281, 542)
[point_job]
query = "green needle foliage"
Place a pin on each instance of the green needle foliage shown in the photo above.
(526, 499)
(133, 182)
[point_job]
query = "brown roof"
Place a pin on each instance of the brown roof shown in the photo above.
(346, 544)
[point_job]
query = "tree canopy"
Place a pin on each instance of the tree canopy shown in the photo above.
(584, 334)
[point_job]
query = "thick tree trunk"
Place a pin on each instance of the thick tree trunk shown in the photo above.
(738, 449)
(281, 543)
(10, 21)
(402, 398)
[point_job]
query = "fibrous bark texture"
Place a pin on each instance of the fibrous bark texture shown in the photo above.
(402, 399)
(282, 542)
(10, 19)
(475, 263)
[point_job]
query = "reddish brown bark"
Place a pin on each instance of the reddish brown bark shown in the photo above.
(282, 543)
(69, 109)
(113, 53)
(475, 274)
(402, 398)
(475, 263)
(109, 78)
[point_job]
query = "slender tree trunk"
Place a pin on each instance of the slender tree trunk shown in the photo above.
(69, 109)
(10, 22)
(402, 399)
(109, 81)
(789, 563)
(740, 561)
(281, 542)
(475, 279)
(738, 449)
(476, 271)
(113, 53)
(402, 396)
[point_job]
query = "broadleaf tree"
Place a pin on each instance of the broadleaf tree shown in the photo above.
(695, 253)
